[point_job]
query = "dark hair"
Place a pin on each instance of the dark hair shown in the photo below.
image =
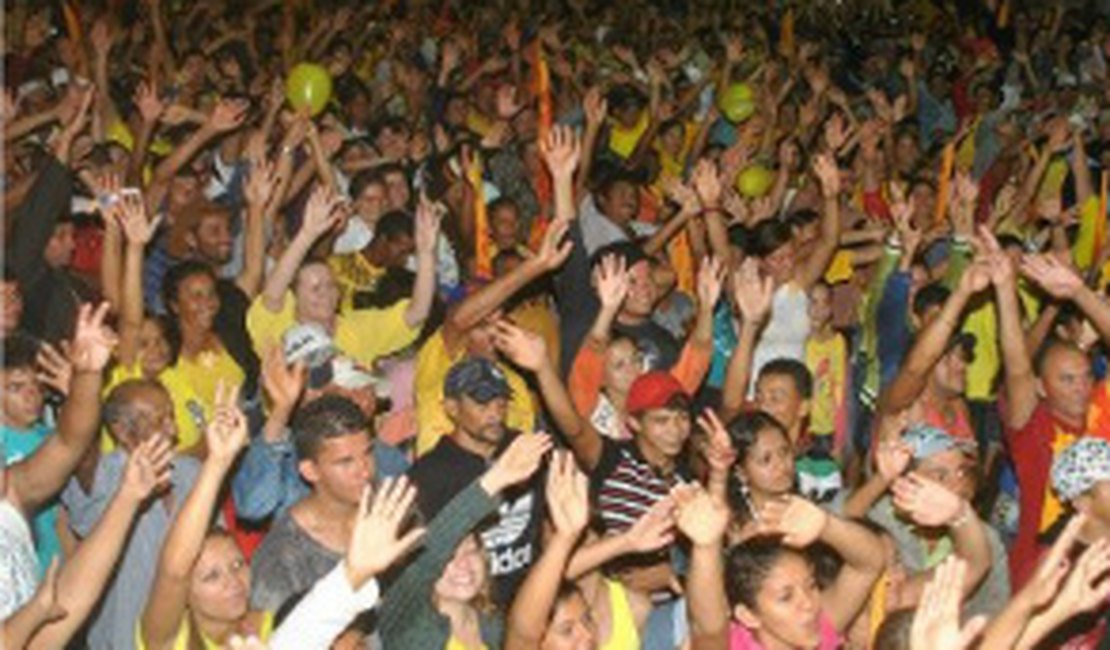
(744, 432)
(749, 563)
(394, 225)
(171, 284)
(330, 416)
(365, 179)
(567, 590)
(802, 217)
(740, 236)
(930, 295)
(769, 236)
(20, 351)
(894, 632)
(796, 370)
(501, 202)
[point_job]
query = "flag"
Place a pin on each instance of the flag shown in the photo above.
(483, 245)
(945, 181)
(544, 119)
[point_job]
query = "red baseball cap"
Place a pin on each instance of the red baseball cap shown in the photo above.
(653, 390)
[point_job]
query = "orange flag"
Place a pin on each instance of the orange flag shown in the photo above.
(945, 181)
(545, 118)
(1004, 14)
(786, 32)
(483, 245)
(73, 24)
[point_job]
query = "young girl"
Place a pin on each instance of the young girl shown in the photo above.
(763, 593)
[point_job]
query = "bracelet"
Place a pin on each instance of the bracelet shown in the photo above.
(964, 517)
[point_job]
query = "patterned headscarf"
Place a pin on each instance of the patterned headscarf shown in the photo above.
(1079, 467)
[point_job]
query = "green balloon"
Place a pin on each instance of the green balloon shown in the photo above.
(308, 85)
(754, 181)
(737, 103)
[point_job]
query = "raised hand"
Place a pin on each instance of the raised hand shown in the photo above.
(798, 520)
(262, 181)
(228, 115)
(132, 216)
(148, 468)
(429, 217)
(1088, 586)
(611, 282)
(518, 463)
(568, 496)
(93, 341)
(701, 517)
(596, 107)
(561, 151)
(654, 529)
(752, 294)
(824, 166)
(999, 265)
(376, 540)
(1054, 566)
(1057, 278)
(226, 434)
(936, 623)
(718, 448)
(148, 102)
(553, 250)
(707, 183)
(891, 459)
(927, 502)
(526, 349)
(283, 383)
(54, 368)
(711, 278)
(507, 103)
(324, 211)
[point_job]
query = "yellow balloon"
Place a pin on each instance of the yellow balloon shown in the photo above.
(754, 181)
(737, 103)
(308, 85)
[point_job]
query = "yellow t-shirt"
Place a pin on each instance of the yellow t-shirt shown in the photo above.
(192, 385)
(983, 324)
(454, 644)
(181, 642)
(365, 335)
(432, 364)
(827, 359)
(353, 273)
(623, 141)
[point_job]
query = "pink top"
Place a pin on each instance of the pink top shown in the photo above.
(741, 638)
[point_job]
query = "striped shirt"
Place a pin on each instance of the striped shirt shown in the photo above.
(627, 486)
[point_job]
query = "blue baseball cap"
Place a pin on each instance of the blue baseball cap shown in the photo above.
(479, 379)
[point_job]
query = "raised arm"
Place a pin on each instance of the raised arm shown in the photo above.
(703, 519)
(1063, 283)
(228, 115)
(429, 217)
(150, 109)
(931, 505)
(553, 252)
(801, 523)
(1021, 382)
(752, 296)
(166, 605)
(85, 575)
(568, 502)
(138, 230)
(261, 193)
(597, 109)
(931, 341)
(811, 270)
(561, 152)
(321, 214)
(37, 479)
(527, 350)
(376, 544)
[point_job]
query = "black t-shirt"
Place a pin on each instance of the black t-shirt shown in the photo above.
(512, 537)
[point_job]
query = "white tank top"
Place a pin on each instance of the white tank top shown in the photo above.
(786, 332)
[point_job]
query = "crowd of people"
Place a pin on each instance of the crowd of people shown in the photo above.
(556, 324)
